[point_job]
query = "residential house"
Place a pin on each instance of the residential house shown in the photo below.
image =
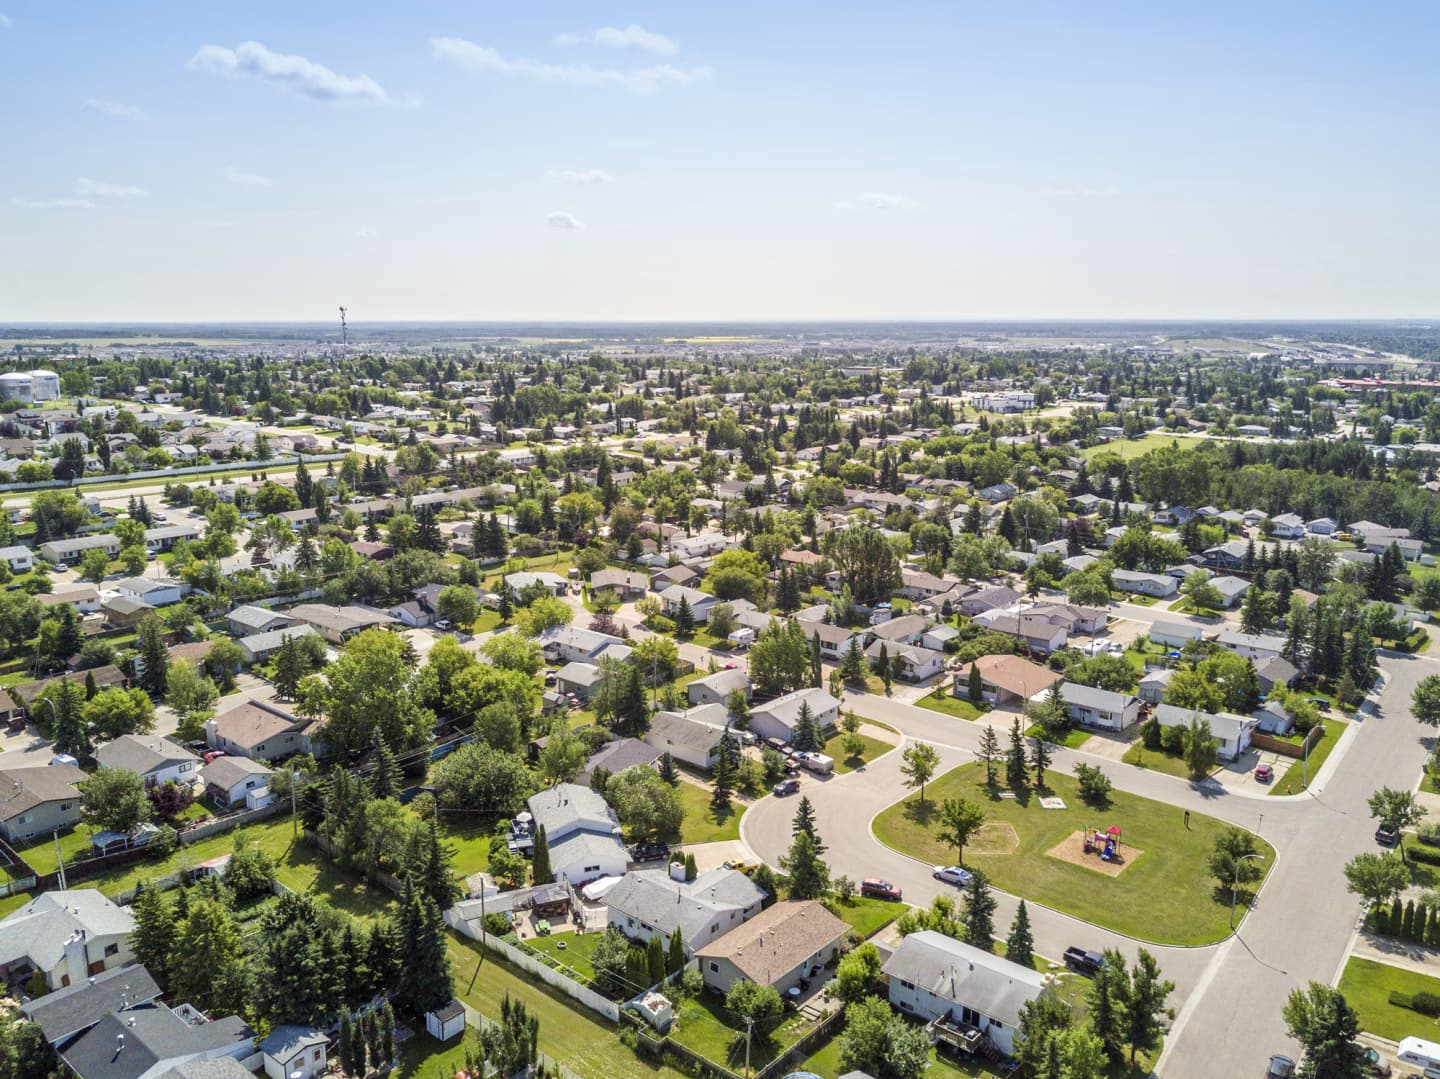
(1227, 556)
(617, 755)
(571, 644)
(777, 718)
(581, 831)
(1152, 687)
(156, 591)
(124, 610)
(1036, 632)
(1101, 709)
(259, 647)
(1006, 680)
(67, 1013)
(294, 1052)
(1175, 634)
(1253, 646)
(1377, 542)
(19, 559)
(1155, 585)
(1231, 731)
(1073, 617)
(917, 585)
(519, 582)
(156, 1043)
(834, 640)
(164, 537)
(700, 603)
(338, 624)
(1272, 717)
(65, 552)
(1275, 671)
(260, 731)
(38, 801)
(67, 936)
(1287, 526)
(716, 688)
(25, 694)
(84, 600)
(672, 575)
(1322, 526)
(904, 629)
(1231, 589)
(916, 663)
(989, 599)
(931, 976)
(580, 679)
(648, 903)
(231, 781)
(154, 759)
(627, 584)
(939, 637)
(791, 940)
(691, 737)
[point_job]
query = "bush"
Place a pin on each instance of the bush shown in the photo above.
(1421, 854)
(1150, 733)
(1426, 1004)
(1095, 785)
(1430, 833)
(163, 843)
(497, 925)
(1172, 739)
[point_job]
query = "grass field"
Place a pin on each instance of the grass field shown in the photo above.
(1157, 760)
(1292, 782)
(1073, 738)
(868, 916)
(825, 1062)
(701, 825)
(703, 1024)
(941, 701)
(572, 1035)
(1164, 895)
(1367, 986)
(575, 953)
(1127, 449)
(835, 748)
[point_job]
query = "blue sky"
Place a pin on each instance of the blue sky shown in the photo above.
(746, 160)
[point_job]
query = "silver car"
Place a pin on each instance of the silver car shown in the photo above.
(952, 874)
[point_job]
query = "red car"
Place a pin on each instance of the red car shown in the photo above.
(875, 888)
(214, 753)
(1264, 773)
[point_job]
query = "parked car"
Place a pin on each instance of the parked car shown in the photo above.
(1280, 1067)
(1320, 703)
(1387, 835)
(786, 786)
(1078, 959)
(650, 852)
(792, 768)
(875, 888)
(1264, 773)
(212, 755)
(952, 874)
(1377, 1064)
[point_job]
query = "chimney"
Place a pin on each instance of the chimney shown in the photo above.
(119, 1043)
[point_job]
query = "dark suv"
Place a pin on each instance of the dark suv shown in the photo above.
(786, 786)
(651, 852)
(1387, 835)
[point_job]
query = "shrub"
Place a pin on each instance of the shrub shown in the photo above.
(1150, 732)
(1426, 1004)
(1172, 739)
(163, 843)
(497, 925)
(1420, 854)
(1430, 833)
(1095, 786)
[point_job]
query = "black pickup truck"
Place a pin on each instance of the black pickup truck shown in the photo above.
(1078, 959)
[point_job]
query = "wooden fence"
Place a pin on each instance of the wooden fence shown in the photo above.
(1271, 744)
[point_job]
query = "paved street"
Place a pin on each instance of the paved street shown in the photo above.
(1228, 995)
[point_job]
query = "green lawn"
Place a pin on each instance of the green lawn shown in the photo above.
(470, 840)
(1127, 449)
(1292, 782)
(701, 825)
(703, 1024)
(1157, 760)
(1367, 986)
(422, 1057)
(868, 916)
(487, 621)
(942, 701)
(1073, 738)
(825, 1062)
(835, 748)
(574, 1036)
(1164, 895)
(578, 947)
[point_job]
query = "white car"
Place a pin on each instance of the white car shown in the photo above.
(952, 874)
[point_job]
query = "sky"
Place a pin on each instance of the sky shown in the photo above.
(623, 161)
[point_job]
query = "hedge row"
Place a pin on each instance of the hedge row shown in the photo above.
(1406, 921)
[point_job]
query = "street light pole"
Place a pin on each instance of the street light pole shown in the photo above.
(1235, 885)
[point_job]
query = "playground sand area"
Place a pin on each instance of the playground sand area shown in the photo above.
(1072, 849)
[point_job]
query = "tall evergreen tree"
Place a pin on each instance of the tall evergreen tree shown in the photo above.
(153, 938)
(437, 879)
(722, 778)
(1016, 768)
(540, 871)
(385, 779)
(426, 979)
(978, 915)
(71, 731)
(989, 752)
(1020, 945)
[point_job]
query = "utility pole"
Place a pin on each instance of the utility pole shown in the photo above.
(1235, 885)
(749, 1030)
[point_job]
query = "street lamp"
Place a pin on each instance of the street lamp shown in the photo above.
(1235, 885)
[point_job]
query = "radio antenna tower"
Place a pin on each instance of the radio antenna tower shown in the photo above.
(344, 331)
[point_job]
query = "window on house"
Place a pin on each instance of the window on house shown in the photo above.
(907, 985)
(714, 967)
(111, 949)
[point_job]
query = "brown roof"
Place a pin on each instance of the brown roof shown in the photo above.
(777, 940)
(801, 557)
(194, 651)
(1014, 674)
(26, 788)
(105, 677)
(253, 722)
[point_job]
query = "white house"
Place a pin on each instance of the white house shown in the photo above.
(581, 831)
(1231, 731)
(777, 718)
(716, 688)
(294, 1052)
(916, 663)
(156, 591)
(231, 780)
(1256, 647)
(1175, 634)
(20, 559)
(700, 602)
(572, 644)
(931, 975)
(1287, 526)
(693, 736)
(1152, 687)
(1099, 708)
(155, 760)
(1156, 585)
(648, 903)
(66, 936)
(519, 582)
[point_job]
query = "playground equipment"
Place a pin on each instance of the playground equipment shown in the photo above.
(1106, 843)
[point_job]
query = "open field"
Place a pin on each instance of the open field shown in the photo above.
(941, 701)
(1367, 986)
(1127, 449)
(1166, 895)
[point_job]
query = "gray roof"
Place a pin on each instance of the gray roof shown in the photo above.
(284, 1042)
(587, 847)
(38, 930)
(699, 728)
(1177, 629)
(221, 1068)
(723, 682)
(1229, 587)
(579, 673)
(25, 788)
(141, 753)
(1276, 669)
(143, 586)
(959, 972)
(903, 626)
(566, 807)
(152, 1036)
(1104, 700)
(1159, 677)
(786, 709)
(270, 640)
(650, 896)
(1223, 725)
(68, 1011)
(253, 617)
(227, 771)
(619, 755)
(1271, 641)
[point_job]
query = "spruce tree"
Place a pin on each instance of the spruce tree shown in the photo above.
(1016, 770)
(655, 959)
(71, 734)
(978, 915)
(344, 1045)
(153, 938)
(387, 1032)
(540, 870)
(437, 880)
(385, 780)
(676, 958)
(722, 777)
(975, 686)
(667, 769)
(684, 619)
(1019, 946)
(989, 752)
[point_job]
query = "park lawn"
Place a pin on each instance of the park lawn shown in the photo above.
(573, 1035)
(1157, 760)
(835, 749)
(703, 1024)
(942, 701)
(1367, 986)
(1165, 895)
(700, 824)
(868, 916)
(1127, 449)
(1292, 782)
(1073, 738)
(576, 953)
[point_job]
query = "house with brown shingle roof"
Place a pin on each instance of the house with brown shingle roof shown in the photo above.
(1007, 679)
(777, 947)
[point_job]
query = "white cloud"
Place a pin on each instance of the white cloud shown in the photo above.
(101, 189)
(245, 179)
(638, 80)
(875, 200)
(114, 108)
(304, 77)
(560, 219)
(52, 204)
(580, 176)
(5, 21)
(631, 37)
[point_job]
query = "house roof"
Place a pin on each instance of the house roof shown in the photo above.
(1177, 629)
(253, 722)
(786, 709)
(257, 618)
(567, 806)
(141, 753)
(693, 596)
(1223, 725)
(285, 1042)
(650, 896)
(724, 682)
(1082, 696)
(1265, 641)
(339, 619)
(1229, 587)
(227, 771)
(106, 676)
(1013, 674)
(699, 728)
(257, 643)
(200, 1068)
(68, 1011)
(904, 626)
(1276, 669)
(125, 605)
(619, 578)
(618, 755)
(961, 973)
(828, 633)
(38, 930)
(777, 940)
(586, 847)
(22, 789)
(150, 1036)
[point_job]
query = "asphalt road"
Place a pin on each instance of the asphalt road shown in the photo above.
(1229, 995)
